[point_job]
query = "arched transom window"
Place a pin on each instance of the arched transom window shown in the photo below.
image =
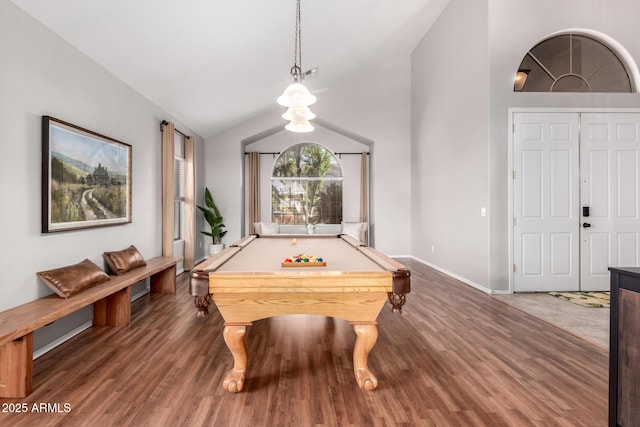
(572, 63)
(306, 186)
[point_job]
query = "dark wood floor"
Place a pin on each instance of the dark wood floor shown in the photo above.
(455, 357)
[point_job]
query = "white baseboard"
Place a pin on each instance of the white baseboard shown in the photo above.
(53, 344)
(455, 276)
(140, 294)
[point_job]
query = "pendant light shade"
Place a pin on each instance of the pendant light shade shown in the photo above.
(296, 96)
(298, 113)
(299, 126)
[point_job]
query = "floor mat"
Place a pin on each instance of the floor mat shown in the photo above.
(586, 299)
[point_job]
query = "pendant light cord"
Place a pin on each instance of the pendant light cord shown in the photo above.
(296, 70)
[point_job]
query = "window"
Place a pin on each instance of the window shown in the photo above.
(572, 63)
(178, 188)
(306, 186)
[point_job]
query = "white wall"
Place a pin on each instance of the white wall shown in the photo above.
(43, 75)
(449, 147)
(374, 105)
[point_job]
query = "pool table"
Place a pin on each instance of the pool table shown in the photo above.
(248, 282)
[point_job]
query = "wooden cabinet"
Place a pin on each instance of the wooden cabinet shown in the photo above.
(624, 354)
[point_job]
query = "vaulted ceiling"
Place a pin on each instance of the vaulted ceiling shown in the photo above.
(213, 63)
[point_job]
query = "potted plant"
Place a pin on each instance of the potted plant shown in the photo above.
(214, 219)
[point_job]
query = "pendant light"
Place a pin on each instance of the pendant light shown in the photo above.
(296, 96)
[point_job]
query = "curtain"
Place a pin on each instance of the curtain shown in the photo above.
(254, 190)
(189, 203)
(168, 130)
(364, 189)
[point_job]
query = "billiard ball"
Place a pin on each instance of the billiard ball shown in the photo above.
(294, 241)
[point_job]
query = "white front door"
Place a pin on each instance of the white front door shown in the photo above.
(545, 202)
(610, 185)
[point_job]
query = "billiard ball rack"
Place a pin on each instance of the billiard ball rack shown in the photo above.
(304, 264)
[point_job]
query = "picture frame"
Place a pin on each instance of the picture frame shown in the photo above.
(86, 178)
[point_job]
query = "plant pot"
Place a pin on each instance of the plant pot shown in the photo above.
(214, 249)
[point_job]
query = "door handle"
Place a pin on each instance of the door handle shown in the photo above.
(586, 225)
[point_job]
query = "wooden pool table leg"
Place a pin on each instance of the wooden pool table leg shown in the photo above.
(367, 335)
(234, 337)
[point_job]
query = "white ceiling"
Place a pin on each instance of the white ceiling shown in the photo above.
(215, 63)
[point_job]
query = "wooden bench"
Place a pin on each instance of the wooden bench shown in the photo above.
(111, 307)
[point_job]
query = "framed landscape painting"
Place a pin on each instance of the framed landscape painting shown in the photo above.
(86, 178)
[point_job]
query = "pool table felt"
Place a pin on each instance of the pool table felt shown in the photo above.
(265, 254)
(256, 267)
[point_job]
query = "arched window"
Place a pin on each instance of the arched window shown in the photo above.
(573, 62)
(306, 186)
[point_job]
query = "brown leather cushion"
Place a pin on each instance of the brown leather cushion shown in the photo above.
(122, 261)
(70, 280)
